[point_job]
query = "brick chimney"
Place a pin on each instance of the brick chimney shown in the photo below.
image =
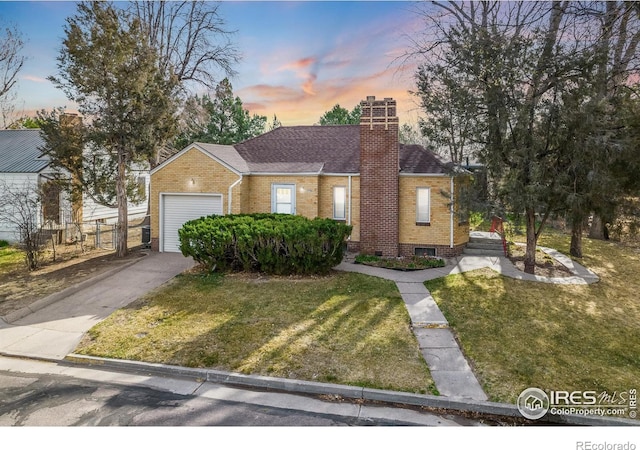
(379, 168)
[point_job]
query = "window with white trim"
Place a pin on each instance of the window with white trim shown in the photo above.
(339, 203)
(283, 198)
(423, 205)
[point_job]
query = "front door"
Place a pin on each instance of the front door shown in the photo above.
(283, 198)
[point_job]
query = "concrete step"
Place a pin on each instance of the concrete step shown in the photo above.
(485, 245)
(492, 238)
(483, 252)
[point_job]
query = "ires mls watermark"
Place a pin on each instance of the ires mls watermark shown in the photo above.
(534, 403)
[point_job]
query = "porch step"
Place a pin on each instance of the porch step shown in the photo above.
(484, 244)
(482, 252)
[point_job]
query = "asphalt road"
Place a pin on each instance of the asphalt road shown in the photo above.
(32, 399)
(52, 400)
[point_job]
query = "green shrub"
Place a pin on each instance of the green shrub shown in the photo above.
(3, 243)
(475, 220)
(279, 244)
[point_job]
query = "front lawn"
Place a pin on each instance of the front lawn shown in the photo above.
(344, 328)
(11, 259)
(525, 334)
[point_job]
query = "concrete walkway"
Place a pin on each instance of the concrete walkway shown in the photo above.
(55, 330)
(449, 368)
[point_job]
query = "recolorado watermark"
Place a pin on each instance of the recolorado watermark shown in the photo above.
(589, 445)
(534, 403)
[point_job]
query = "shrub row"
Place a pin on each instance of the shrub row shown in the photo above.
(279, 244)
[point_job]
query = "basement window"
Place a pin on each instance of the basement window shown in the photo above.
(425, 251)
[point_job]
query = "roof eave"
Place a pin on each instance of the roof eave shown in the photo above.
(423, 174)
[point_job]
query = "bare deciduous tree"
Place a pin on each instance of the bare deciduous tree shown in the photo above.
(499, 69)
(20, 209)
(11, 61)
(191, 39)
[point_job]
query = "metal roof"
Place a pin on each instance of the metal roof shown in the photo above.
(20, 151)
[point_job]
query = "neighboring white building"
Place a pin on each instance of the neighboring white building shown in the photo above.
(22, 164)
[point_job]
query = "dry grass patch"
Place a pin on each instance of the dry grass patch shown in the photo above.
(11, 259)
(19, 288)
(521, 334)
(344, 328)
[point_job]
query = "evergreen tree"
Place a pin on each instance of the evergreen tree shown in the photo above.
(341, 116)
(108, 68)
(275, 123)
(221, 119)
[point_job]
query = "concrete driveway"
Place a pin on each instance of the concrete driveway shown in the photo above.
(55, 330)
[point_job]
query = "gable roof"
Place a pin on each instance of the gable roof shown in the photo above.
(227, 154)
(335, 147)
(332, 149)
(20, 151)
(417, 159)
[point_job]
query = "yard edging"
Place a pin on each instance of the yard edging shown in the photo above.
(350, 392)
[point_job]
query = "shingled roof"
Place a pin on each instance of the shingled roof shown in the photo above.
(417, 159)
(20, 151)
(334, 147)
(329, 149)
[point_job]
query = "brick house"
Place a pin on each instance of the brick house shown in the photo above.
(400, 199)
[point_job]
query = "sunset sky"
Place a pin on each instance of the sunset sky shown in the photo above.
(299, 58)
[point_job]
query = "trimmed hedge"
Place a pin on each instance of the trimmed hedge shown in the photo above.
(279, 244)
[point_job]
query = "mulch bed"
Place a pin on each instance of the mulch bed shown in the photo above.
(546, 266)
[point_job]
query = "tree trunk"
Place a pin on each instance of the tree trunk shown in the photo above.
(597, 228)
(121, 196)
(576, 239)
(530, 253)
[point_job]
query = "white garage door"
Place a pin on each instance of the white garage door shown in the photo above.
(178, 209)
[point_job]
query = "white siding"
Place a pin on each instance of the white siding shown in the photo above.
(13, 181)
(92, 211)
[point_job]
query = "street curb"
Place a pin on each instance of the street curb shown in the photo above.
(351, 392)
(60, 295)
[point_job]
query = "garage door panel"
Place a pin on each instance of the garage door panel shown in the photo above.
(178, 209)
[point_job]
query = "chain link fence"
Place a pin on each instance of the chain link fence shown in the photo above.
(87, 236)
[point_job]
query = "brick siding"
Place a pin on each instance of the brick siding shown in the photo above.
(379, 167)
(443, 251)
(208, 177)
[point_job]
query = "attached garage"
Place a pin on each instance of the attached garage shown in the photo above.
(176, 209)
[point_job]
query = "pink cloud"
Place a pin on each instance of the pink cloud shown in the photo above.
(343, 73)
(307, 86)
(299, 64)
(294, 107)
(270, 93)
(35, 79)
